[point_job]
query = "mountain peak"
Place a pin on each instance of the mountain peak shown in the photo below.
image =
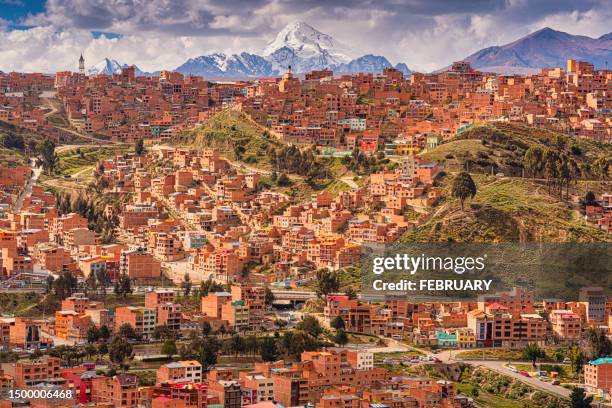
(306, 41)
(547, 32)
(542, 48)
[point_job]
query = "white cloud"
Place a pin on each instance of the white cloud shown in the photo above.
(162, 34)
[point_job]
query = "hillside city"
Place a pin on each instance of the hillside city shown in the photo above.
(171, 241)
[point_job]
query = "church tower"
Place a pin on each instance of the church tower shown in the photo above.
(82, 64)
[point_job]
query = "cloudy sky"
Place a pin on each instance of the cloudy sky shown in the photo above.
(49, 35)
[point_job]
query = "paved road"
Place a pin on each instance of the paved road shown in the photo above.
(499, 366)
(27, 191)
(350, 182)
(448, 356)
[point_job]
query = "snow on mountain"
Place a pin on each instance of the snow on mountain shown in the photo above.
(305, 48)
(297, 45)
(541, 49)
(366, 63)
(220, 65)
(109, 67)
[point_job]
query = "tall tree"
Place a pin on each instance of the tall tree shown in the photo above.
(532, 352)
(139, 148)
(532, 161)
(601, 168)
(119, 350)
(579, 399)
(268, 350)
(186, 284)
(310, 325)
(168, 348)
(341, 337)
(327, 282)
(48, 156)
(463, 187)
(337, 323)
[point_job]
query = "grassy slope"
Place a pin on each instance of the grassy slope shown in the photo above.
(230, 132)
(504, 146)
(79, 158)
(503, 210)
(13, 157)
(227, 131)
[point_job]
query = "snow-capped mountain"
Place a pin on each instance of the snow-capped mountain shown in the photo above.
(541, 49)
(297, 45)
(222, 65)
(109, 67)
(305, 48)
(370, 63)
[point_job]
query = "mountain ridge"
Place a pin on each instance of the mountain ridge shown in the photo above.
(541, 49)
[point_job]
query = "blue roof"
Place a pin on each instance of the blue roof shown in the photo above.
(603, 360)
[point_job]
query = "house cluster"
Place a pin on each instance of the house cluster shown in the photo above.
(327, 379)
(126, 107)
(360, 111)
(599, 212)
(507, 319)
(195, 205)
(365, 111)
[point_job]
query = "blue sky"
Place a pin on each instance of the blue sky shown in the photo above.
(15, 11)
(37, 35)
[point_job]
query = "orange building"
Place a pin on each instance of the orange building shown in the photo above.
(118, 391)
(138, 264)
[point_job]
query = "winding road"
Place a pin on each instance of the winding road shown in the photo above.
(27, 190)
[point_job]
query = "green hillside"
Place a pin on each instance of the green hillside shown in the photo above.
(506, 210)
(500, 147)
(236, 138)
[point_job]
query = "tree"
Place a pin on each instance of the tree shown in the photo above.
(127, 331)
(268, 350)
(327, 282)
(463, 187)
(236, 344)
(589, 198)
(90, 350)
(280, 323)
(163, 332)
(577, 358)
(64, 285)
(269, 296)
(93, 334)
(169, 348)
(119, 350)
(532, 161)
(207, 350)
(208, 286)
(206, 329)
(351, 293)
(601, 168)
(532, 352)
(341, 337)
(139, 148)
(49, 283)
(123, 286)
(283, 180)
(595, 343)
(102, 349)
(104, 332)
(337, 323)
(578, 398)
(186, 284)
(310, 325)
(48, 156)
(103, 279)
